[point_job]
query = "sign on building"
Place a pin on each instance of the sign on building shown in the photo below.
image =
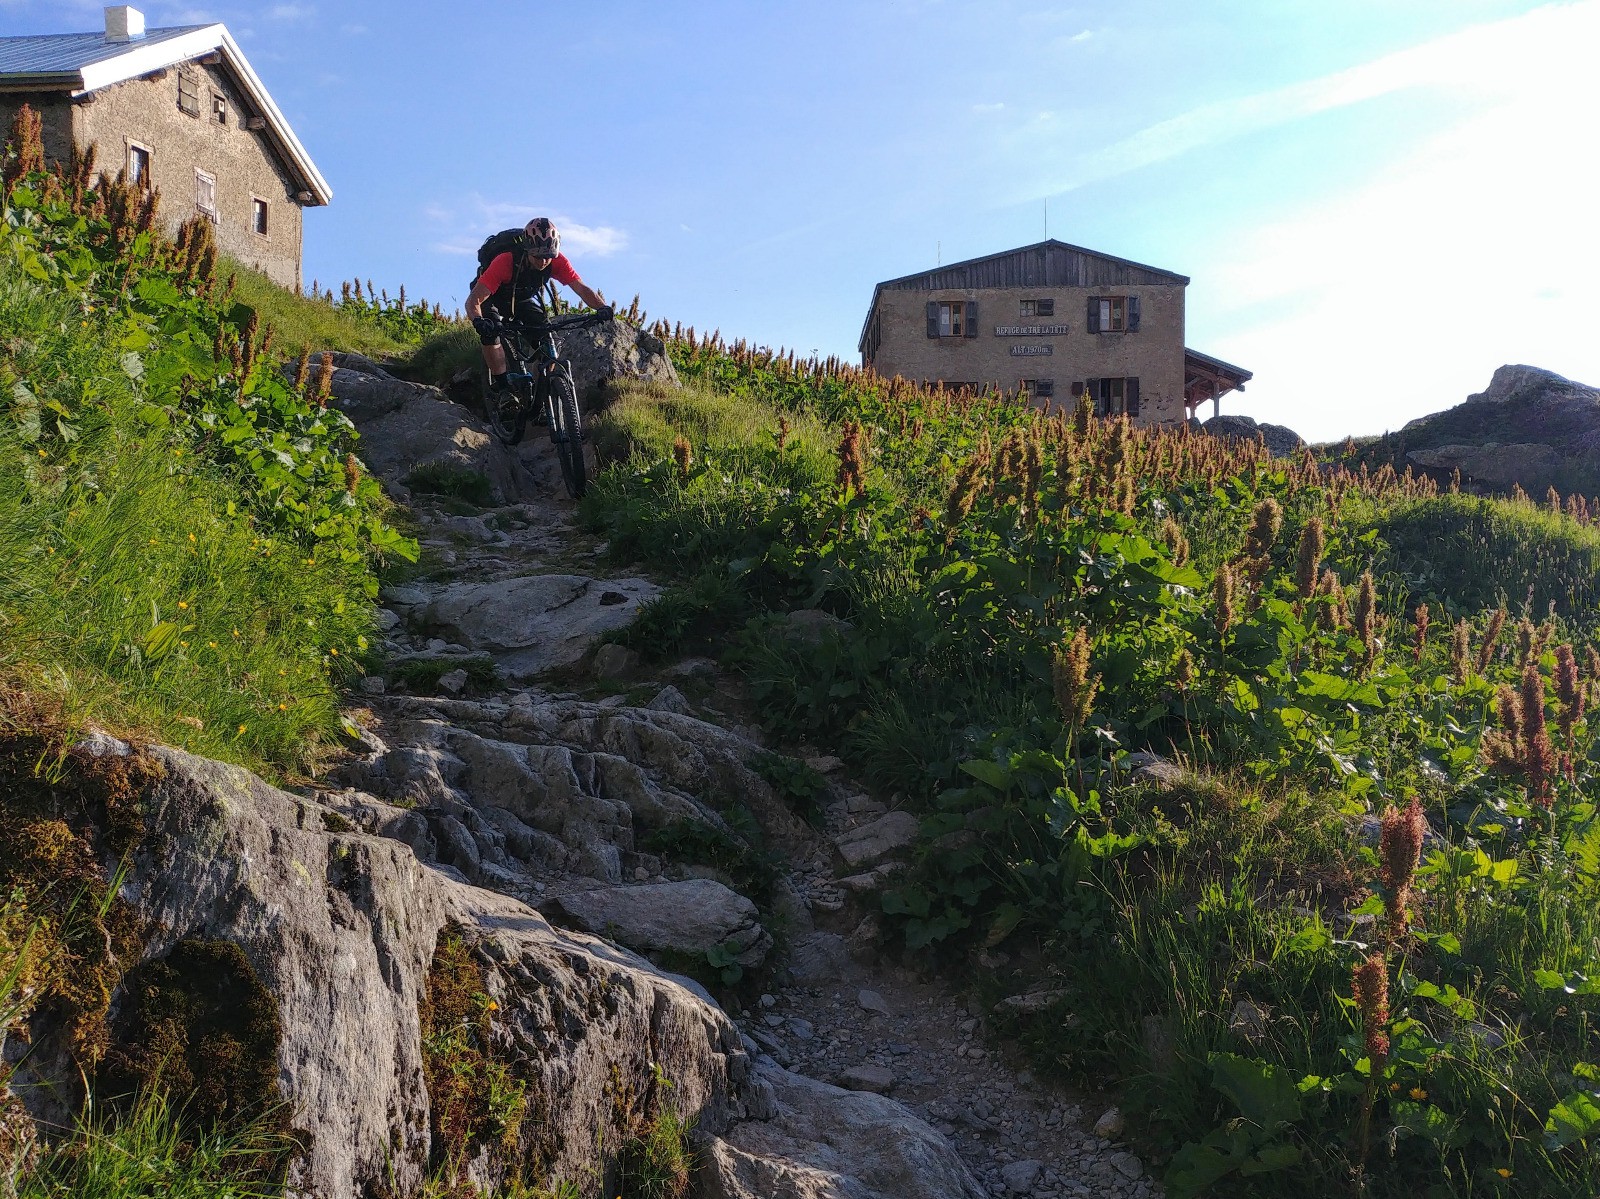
(1025, 349)
(1029, 330)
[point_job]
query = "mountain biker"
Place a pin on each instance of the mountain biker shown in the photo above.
(513, 281)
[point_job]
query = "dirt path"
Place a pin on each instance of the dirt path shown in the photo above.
(843, 1014)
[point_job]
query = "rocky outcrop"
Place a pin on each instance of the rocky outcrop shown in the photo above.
(1529, 427)
(826, 1143)
(341, 928)
(692, 917)
(537, 622)
(1282, 441)
(407, 426)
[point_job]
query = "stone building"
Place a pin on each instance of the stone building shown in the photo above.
(179, 109)
(1055, 319)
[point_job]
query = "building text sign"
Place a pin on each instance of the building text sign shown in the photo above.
(1029, 330)
(1031, 349)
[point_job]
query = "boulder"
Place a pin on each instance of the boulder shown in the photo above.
(405, 426)
(615, 350)
(537, 622)
(827, 1143)
(1282, 441)
(871, 843)
(1021, 1177)
(814, 626)
(689, 917)
(1528, 464)
(879, 1080)
(340, 929)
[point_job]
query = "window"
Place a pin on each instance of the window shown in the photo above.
(205, 193)
(1038, 308)
(1112, 397)
(219, 108)
(952, 318)
(1113, 314)
(188, 93)
(1039, 389)
(138, 164)
(258, 215)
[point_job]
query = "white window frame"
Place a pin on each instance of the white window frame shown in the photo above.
(219, 107)
(952, 318)
(192, 79)
(265, 212)
(134, 148)
(201, 178)
(1113, 314)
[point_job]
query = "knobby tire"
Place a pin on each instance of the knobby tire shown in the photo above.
(566, 431)
(506, 413)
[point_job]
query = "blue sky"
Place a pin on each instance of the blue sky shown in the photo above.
(1378, 203)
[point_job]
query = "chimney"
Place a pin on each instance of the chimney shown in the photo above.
(124, 23)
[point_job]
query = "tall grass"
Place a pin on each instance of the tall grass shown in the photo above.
(302, 321)
(131, 585)
(149, 1152)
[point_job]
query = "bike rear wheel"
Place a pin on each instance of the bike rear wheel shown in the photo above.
(566, 431)
(506, 413)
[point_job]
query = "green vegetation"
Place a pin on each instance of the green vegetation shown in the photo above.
(187, 540)
(153, 1151)
(303, 321)
(1290, 1010)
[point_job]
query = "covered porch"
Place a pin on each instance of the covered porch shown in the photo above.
(1207, 378)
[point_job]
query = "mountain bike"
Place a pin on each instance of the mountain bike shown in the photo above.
(539, 381)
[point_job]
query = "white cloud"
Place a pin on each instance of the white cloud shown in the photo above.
(289, 12)
(1481, 59)
(997, 106)
(1402, 296)
(478, 218)
(1082, 35)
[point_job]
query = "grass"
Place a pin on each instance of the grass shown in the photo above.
(152, 1151)
(301, 321)
(131, 589)
(1474, 552)
(440, 357)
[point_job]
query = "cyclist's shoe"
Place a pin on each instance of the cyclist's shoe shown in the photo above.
(501, 385)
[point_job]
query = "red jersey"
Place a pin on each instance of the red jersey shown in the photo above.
(498, 273)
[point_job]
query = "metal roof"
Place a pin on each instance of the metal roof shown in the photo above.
(86, 62)
(55, 55)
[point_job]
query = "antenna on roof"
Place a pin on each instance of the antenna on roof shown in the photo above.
(1047, 218)
(938, 253)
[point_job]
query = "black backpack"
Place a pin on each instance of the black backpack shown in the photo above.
(496, 244)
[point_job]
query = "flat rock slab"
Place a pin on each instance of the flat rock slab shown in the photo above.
(539, 622)
(873, 842)
(826, 1143)
(691, 917)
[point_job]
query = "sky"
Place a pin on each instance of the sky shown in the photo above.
(1378, 203)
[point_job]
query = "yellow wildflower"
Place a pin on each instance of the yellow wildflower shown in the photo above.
(1418, 1094)
(1503, 1172)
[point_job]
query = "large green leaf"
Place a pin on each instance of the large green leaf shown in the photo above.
(1266, 1095)
(1573, 1119)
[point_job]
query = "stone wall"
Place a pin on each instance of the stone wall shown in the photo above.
(55, 112)
(1153, 355)
(243, 163)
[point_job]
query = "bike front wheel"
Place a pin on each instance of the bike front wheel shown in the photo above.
(506, 413)
(566, 432)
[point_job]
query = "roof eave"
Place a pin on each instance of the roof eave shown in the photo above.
(321, 193)
(1039, 245)
(41, 81)
(143, 59)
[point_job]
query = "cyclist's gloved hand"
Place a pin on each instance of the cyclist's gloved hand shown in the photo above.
(606, 312)
(486, 326)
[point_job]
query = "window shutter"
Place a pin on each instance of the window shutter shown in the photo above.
(1131, 394)
(1094, 390)
(971, 329)
(1093, 325)
(933, 318)
(1077, 390)
(1133, 314)
(1046, 308)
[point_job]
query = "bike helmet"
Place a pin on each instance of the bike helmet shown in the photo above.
(543, 240)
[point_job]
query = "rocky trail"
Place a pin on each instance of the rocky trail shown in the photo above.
(513, 750)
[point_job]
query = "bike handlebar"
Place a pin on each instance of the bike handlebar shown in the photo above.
(549, 326)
